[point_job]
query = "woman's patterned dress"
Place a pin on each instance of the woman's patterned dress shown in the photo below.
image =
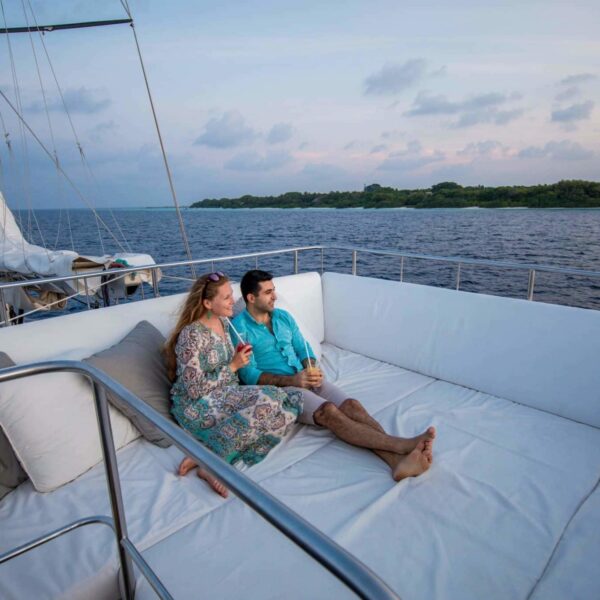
(236, 422)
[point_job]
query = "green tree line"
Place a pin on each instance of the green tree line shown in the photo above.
(564, 194)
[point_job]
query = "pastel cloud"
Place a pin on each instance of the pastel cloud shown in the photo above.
(281, 132)
(395, 78)
(558, 150)
(227, 131)
(578, 78)
(482, 108)
(486, 148)
(410, 159)
(253, 161)
(575, 112)
(81, 100)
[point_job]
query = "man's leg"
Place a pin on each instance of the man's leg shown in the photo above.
(391, 449)
(353, 409)
(357, 412)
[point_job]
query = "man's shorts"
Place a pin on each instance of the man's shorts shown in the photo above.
(314, 397)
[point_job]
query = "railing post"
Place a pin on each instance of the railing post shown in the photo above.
(3, 311)
(114, 488)
(256, 262)
(354, 253)
(401, 269)
(295, 262)
(530, 284)
(322, 261)
(458, 277)
(87, 291)
(154, 283)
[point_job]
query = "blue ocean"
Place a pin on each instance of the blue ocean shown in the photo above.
(567, 238)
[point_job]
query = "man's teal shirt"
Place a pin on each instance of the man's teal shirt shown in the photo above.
(280, 352)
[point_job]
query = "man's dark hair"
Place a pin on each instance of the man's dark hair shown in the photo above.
(251, 281)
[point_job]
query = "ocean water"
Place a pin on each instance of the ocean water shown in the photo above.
(568, 238)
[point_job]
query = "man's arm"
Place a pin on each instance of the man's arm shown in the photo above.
(299, 379)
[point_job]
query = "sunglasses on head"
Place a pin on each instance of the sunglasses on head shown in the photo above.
(215, 276)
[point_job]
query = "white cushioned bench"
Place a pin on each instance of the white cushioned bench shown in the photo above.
(505, 511)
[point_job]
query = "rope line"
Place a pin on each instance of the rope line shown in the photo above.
(186, 244)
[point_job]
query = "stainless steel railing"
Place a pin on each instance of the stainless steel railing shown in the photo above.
(530, 269)
(353, 573)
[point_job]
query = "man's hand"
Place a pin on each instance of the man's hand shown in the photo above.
(315, 376)
(308, 378)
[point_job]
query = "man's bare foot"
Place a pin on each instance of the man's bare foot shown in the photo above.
(186, 465)
(214, 483)
(414, 463)
(406, 445)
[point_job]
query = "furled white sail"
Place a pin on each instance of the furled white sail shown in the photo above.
(19, 257)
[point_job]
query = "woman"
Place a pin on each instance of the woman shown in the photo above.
(236, 422)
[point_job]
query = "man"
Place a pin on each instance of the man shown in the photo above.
(280, 356)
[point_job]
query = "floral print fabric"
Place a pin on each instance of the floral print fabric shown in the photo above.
(236, 422)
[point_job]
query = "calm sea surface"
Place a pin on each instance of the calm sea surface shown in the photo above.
(569, 238)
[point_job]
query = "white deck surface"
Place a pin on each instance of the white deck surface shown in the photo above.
(482, 523)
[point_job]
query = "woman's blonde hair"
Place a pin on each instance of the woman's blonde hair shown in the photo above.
(205, 288)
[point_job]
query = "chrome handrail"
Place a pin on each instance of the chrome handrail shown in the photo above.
(531, 268)
(295, 249)
(348, 569)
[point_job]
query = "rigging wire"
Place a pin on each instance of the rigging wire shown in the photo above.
(22, 177)
(65, 175)
(31, 213)
(84, 161)
(186, 244)
(39, 74)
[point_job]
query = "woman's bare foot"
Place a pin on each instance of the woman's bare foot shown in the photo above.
(214, 483)
(406, 445)
(186, 465)
(414, 463)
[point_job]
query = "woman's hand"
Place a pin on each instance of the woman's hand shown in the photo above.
(241, 358)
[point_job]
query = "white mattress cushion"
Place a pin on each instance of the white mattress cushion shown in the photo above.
(50, 421)
(541, 355)
(157, 502)
(482, 523)
(573, 570)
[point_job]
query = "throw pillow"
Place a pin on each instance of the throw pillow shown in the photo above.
(137, 363)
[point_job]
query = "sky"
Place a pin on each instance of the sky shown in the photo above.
(266, 97)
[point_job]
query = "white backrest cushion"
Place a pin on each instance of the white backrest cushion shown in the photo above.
(302, 296)
(541, 355)
(78, 335)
